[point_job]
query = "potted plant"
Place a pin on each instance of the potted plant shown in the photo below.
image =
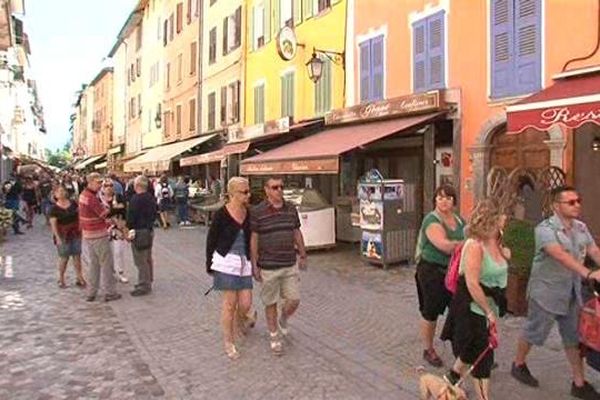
(519, 237)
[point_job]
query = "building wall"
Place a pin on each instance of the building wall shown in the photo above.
(325, 31)
(180, 84)
(88, 110)
(102, 125)
(120, 98)
(134, 79)
(467, 57)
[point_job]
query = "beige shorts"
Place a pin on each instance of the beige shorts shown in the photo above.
(280, 283)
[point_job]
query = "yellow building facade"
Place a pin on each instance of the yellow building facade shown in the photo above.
(277, 87)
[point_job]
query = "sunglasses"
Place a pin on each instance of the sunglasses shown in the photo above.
(276, 187)
(572, 202)
(108, 185)
(245, 192)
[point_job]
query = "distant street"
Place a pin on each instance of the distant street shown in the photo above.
(355, 336)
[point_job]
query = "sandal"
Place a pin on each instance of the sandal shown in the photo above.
(276, 345)
(231, 351)
(432, 358)
(62, 285)
(81, 283)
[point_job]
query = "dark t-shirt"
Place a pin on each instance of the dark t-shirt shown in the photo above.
(142, 211)
(275, 228)
(45, 189)
(67, 221)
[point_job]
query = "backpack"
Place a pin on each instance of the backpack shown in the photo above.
(164, 191)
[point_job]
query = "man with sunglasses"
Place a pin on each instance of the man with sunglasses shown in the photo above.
(562, 243)
(276, 235)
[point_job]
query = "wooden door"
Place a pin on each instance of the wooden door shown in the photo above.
(526, 150)
(587, 171)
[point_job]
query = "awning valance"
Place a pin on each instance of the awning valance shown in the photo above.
(215, 156)
(319, 154)
(570, 102)
(88, 161)
(101, 165)
(159, 158)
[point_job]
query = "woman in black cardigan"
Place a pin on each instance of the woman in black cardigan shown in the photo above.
(228, 260)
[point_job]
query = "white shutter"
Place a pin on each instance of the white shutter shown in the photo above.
(285, 13)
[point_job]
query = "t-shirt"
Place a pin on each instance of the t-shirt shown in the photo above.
(67, 221)
(429, 252)
(45, 189)
(181, 191)
(275, 228)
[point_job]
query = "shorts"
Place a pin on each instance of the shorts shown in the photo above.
(434, 298)
(280, 283)
(223, 281)
(470, 339)
(164, 205)
(540, 322)
(69, 248)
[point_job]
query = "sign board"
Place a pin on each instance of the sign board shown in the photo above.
(287, 44)
(396, 107)
(295, 167)
(281, 125)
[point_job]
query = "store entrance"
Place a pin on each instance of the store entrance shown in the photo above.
(587, 170)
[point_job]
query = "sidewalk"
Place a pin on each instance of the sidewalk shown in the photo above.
(355, 335)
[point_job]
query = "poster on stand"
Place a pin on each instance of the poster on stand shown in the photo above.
(371, 245)
(371, 214)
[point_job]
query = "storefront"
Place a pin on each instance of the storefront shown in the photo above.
(570, 108)
(114, 158)
(400, 137)
(89, 163)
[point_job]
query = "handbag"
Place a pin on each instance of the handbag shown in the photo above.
(142, 239)
(589, 324)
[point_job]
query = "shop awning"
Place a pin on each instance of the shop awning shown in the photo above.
(569, 102)
(159, 158)
(319, 153)
(101, 165)
(215, 156)
(88, 161)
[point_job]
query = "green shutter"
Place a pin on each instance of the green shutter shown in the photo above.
(297, 10)
(251, 38)
(283, 95)
(267, 20)
(327, 88)
(291, 94)
(262, 104)
(308, 8)
(256, 105)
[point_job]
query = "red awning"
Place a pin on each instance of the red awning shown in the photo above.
(215, 156)
(319, 154)
(570, 102)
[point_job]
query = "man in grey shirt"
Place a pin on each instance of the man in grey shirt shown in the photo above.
(561, 245)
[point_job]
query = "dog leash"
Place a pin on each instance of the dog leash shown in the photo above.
(469, 371)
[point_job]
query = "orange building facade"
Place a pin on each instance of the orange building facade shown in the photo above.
(486, 56)
(102, 122)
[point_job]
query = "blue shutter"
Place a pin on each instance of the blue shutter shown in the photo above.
(528, 45)
(419, 56)
(502, 48)
(377, 68)
(435, 79)
(365, 71)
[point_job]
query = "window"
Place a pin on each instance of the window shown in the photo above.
(138, 38)
(516, 62)
(193, 58)
(232, 34)
(179, 68)
(223, 105)
(259, 27)
(212, 49)
(323, 89)
(178, 119)
(287, 95)
(286, 17)
(139, 104)
(138, 67)
(166, 123)
(234, 89)
(371, 69)
(237, 28)
(165, 32)
(192, 115)
(189, 12)
(259, 104)
(428, 53)
(225, 34)
(211, 111)
(171, 27)
(179, 17)
(323, 5)
(168, 76)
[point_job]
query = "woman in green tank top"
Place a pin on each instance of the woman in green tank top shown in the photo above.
(441, 231)
(479, 296)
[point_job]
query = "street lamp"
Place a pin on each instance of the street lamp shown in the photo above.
(315, 64)
(158, 120)
(596, 144)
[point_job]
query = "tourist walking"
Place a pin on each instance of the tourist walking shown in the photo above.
(562, 243)
(440, 233)
(182, 194)
(275, 237)
(64, 222)
(164, 194)
(12, 190)
(96, 247)
(228, 260)
(141, 215)
(30, 197)
(118, 228)
(480, 297)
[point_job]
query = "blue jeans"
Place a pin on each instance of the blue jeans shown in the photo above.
(13, 204)
(182, 211)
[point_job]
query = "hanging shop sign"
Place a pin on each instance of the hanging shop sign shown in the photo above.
(287, 44)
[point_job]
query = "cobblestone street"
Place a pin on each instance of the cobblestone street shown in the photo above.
(354, 337)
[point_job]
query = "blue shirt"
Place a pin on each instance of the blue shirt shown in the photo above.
(551, 284)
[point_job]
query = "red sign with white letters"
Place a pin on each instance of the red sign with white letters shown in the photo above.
(571, 116)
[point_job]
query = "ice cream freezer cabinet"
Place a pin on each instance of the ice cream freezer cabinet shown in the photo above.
(317, 217)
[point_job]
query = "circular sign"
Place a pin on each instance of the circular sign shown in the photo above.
(287, 43)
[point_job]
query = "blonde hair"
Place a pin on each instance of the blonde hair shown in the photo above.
(234, 183)
(484, 219)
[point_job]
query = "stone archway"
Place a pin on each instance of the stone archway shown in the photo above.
(481, 152)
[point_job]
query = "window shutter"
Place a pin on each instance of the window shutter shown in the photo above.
(419, 56)
(225, 33)
(327, 89)
(238, 27)
(297, 10)
(502, 46)
(308, 9)
(166, 32)
(435, 41)
(278, 13)
(189, 11)
(377, 68)
(253, 28)
(267, 20)
(223, 105)
(283, 95)
(527, 45)
(365, 71)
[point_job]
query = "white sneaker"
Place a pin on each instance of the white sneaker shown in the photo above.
(182, 223)
(188, 223)
(283, 326)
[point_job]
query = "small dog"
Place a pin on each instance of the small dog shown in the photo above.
(435, 388)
